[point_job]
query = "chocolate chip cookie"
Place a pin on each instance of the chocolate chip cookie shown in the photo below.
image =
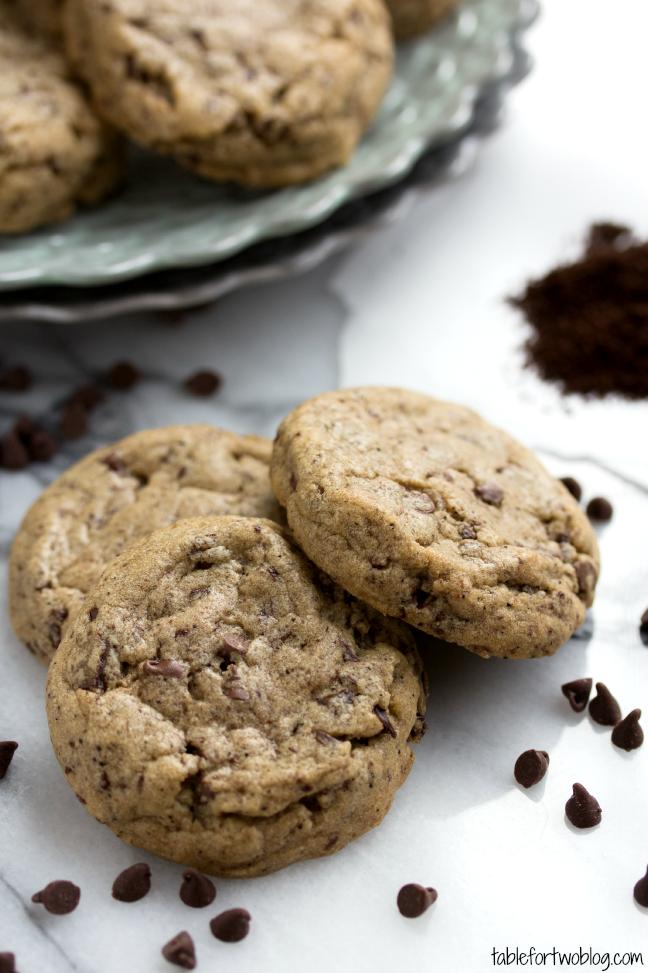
(412, 17)
(262, 92)
(220, 703)
(430, 514)
(55, 154)
(115, 496)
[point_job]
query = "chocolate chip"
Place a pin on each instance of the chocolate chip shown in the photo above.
(324, 738)
(133, 883)
(573, 486)
(643, 627)
(234, 690)
(599, 509)
(586, 577)
(41, 446)
(123, 375)
(88, 396)
(578, 693)
(197, 890)
(236, 643)
(490, 493)
(13, 454)
(641, 891)
(59, 898)
(384, 719)
(413, 900)
(7, 750)
(74, 421)
(467, 532)
(7, 963)
(203, 383)
(604, 708)
(181, 951)
(530, 767)
(15, 379)
(168, 668)
(231, 926)
(114, 462)
(582, 809)
(628, 734)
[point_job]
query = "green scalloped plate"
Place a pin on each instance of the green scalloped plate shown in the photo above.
(167, 218)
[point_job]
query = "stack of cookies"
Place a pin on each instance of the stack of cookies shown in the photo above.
(263, 93)
(235, 628)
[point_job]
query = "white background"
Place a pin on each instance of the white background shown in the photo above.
(420, 304)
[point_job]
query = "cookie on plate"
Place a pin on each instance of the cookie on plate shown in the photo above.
(430, 514)
(413, 17)
(55, 154)
(115, 496)
(261, 92)
(220, 703)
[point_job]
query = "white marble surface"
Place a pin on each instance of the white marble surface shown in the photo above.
(419, 305)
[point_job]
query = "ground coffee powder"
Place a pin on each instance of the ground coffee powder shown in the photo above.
(589, 319)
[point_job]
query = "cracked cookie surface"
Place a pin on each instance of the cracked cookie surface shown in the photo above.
(55, 154)
(413, 17)
(262, 92)
(430, 514)
(115, 496)
(221, 703)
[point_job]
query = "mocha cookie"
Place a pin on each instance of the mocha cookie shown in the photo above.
(55, 154)
(412, 17)
(221, 704)
(431, 515)
(115, 496)
(262, 92)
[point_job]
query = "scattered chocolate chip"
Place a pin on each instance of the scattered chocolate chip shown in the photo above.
(600, 510)
(13, 453)
(604, 708)
(573, 486)
(530, 767)
(133, 883)
(196, 890)
(643, 627)
(384, 719)
(628, 734)
(7, 750)
(7, 963)
(41, 446)
(59, 898)
(74, 421)
(88, 396)
(15, 379)
(413, 900)
(582, 809)
(168, 668)
(181, 951)
(123, 375)
(641, 891)
(231, 926)
(203, 383)
(578, 693)
(490, 493)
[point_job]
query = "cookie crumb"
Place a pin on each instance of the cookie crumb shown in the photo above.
(604, 708)
(203, 383)
(196, 890)
(628, 734)
(133, 883)
(59, 898)
(599, 510)
(641, 891)
(413, 900)
(577, 693)
(573, 486)
(530, 767)
(7, 751)
(582, 809)
(231, 926)
(181, 951)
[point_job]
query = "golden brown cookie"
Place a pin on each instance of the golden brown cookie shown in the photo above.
(221, 704)
(262, 92)
(430, 514)
(55, 154)
(413, 17)
(115, 496)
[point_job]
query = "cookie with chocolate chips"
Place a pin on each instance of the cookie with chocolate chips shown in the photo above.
(279, 726)
(264, 93)
(115, 496)
(413, 17)
(430, 514)
(55, 154)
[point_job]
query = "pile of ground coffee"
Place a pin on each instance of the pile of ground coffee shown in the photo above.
(589, 319)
